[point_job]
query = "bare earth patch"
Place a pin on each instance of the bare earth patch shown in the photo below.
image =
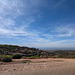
(48, 66)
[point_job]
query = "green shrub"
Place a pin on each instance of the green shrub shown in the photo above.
(7, 59)
(17, 56)
(0, 59)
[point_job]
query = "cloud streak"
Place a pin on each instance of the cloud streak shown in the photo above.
(17, 18)
(65, 31)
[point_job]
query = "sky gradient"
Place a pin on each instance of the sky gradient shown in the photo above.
(38, 23)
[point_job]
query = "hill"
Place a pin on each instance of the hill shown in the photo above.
(27, 51)
(14, 49)
(62, 53)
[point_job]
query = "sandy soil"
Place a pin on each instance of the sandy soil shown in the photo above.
(40, 67)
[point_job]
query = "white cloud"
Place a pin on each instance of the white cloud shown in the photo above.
(45, 43)
(13, 9)
(64, 30)
(10, 10)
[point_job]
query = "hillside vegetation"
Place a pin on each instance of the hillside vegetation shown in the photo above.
(6, 50)
(62, 54)
(26, 51)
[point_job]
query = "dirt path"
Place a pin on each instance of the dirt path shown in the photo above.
(50, 67)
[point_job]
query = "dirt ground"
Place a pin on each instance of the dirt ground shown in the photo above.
(48, 66)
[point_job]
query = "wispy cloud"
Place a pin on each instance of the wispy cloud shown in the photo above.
(17, 16)
(65, 30)
(9, 12)
(14, 9)
(48, 44)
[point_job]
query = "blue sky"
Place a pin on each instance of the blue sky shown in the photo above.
(38, 23)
